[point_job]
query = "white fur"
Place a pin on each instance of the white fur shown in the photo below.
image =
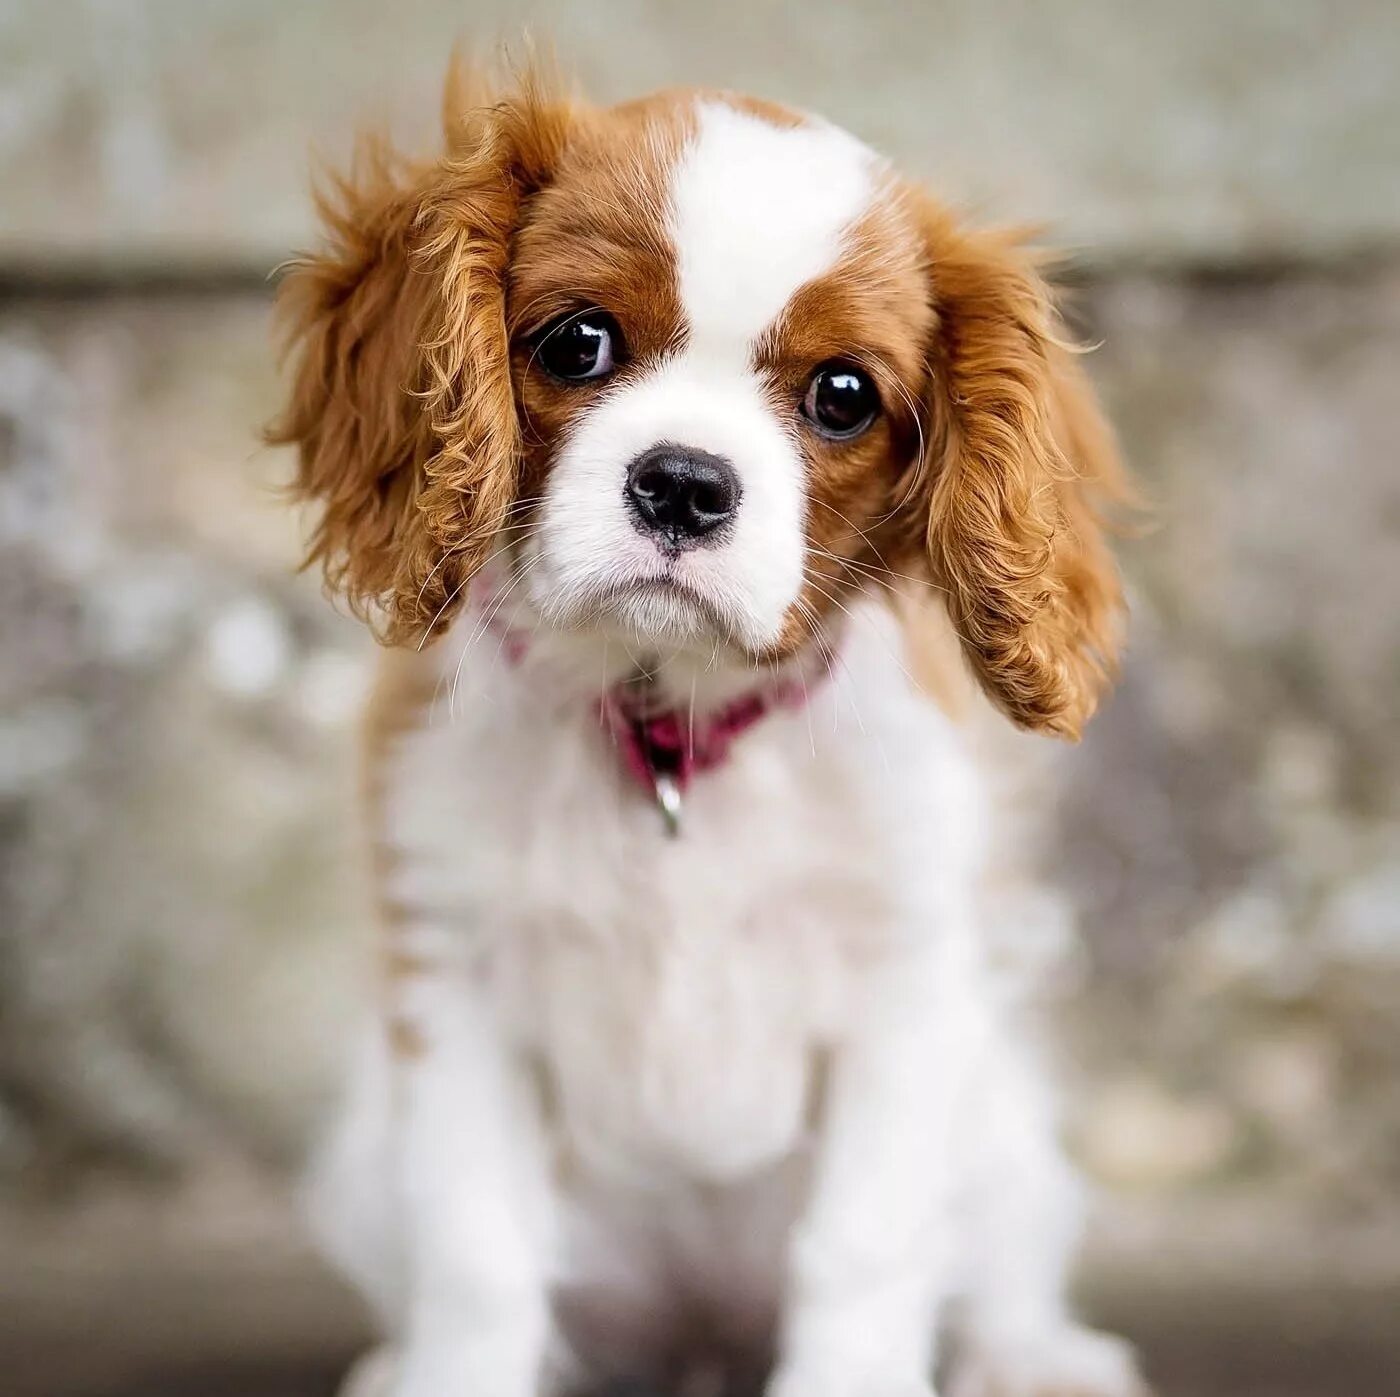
(754, 1076)
(756, 211)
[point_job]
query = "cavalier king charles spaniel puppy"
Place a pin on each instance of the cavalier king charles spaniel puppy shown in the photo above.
(644, 436)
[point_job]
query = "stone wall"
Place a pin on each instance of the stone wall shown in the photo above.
(170, 137)
(1218, 869)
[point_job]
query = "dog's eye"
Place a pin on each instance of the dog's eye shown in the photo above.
(584, 345)
(841, 401)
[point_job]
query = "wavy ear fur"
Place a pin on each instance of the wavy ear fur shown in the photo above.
(1021, 468)
(402, 408)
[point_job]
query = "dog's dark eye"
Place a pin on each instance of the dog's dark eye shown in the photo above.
(841, 401)
(584, 345)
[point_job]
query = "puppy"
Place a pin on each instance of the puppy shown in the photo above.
(635, 430)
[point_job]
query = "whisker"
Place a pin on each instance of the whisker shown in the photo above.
(480, 630)
(847, 520)
(906, 395)
(690, 726)
(467, 580)
(875, 571)
(833, 659)
(884, 645)
(814, 623)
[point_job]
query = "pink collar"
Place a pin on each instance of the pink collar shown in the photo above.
(663, 749)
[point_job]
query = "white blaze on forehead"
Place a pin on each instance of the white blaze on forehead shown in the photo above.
(757, 211)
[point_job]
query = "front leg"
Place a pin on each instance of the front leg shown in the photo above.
(870, 1262)
(473, 1183)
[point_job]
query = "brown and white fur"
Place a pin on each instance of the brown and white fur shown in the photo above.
(744, 1095)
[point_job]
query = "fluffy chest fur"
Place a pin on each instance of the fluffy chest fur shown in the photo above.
(679, 993)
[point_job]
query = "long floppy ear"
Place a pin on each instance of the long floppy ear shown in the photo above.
(401, 407)
(1022, 466)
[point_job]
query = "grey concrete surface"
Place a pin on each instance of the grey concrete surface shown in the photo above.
(159, 134)
(142, 1296)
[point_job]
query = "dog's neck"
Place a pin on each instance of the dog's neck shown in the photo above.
(583, 666)
(671, 713)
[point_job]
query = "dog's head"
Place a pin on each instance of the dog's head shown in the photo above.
(697, 369)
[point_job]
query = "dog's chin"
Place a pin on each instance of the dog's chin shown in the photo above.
(660, 614)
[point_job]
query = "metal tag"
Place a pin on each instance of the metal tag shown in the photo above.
(668, 800)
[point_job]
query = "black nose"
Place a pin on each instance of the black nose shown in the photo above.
(682, 493)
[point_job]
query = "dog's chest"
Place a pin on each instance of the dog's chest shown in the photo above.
(677, 992)
(681, 989)
(691, 1043)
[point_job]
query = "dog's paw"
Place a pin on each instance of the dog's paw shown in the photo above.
(1067, 1362)
(801, 1382)
(470, 1369)
(372, 1374)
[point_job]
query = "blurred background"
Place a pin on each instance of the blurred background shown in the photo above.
(1211, 882)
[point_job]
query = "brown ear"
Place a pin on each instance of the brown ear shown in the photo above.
(401, 407)
(1022, 466)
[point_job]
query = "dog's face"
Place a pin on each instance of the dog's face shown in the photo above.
(697, 369)
(718, 321)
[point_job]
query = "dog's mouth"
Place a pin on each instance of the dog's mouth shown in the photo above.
(661, 607)
(646, 597)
